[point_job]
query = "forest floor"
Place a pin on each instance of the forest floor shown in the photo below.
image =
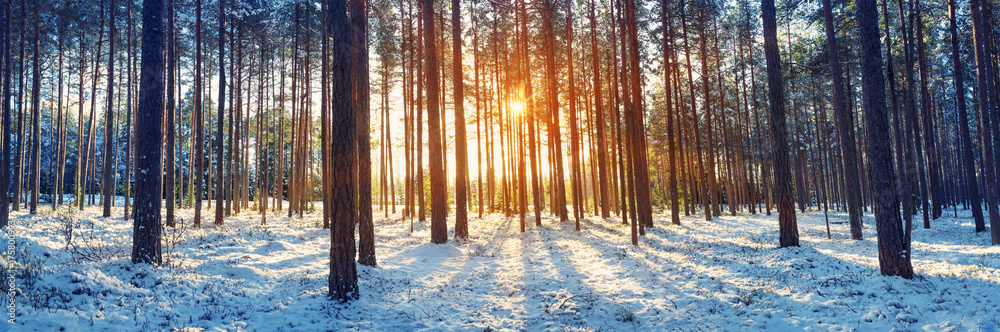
(724, 274)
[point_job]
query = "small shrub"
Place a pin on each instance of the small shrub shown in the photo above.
(92, 249)
(624, 314)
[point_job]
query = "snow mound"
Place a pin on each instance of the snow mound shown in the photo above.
(244, 273)
(435, 251)
(273, 247)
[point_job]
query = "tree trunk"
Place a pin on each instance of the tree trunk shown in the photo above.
(891, 246)
(168, 176)
(220, 179)
(5, 98)
(783, 187)
(930, 150)
(36, 116)
(146, 228)
(965, 140)
(845, 129)
(439, 230)
(559, 184)
(987, 106)
(461, 157)
(343, 280)
(359, 23)
(199, 121)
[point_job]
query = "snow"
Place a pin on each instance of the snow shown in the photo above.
(724, 274)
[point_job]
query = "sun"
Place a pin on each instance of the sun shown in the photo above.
(516, 107)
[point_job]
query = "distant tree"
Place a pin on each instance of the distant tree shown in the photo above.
(169, 159)
(199, 121)
(672, 150)
(220, 171)
(5, 100)
(461, 157)
(36, 116)
(108, 168)
(555, 138)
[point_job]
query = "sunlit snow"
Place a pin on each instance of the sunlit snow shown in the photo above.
(725, 274)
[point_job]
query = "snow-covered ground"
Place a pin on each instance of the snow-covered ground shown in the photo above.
(726, 274)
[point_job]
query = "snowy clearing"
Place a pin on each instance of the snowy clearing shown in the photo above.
(726, 274)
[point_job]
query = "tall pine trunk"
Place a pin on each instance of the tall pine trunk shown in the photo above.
(220, 179)
(461, 156)
(5, 99)
(168, 175)
(965, 140)
(149, 139)
(36, 110)
(845, 128)
(359, 23)
(789, 234)
(343, 280)
(891, 247)
(439, 230)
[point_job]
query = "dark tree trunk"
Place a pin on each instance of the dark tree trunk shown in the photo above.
(149, 139)
(421, 67)
(108, 168)
(168, 176)
(602, 151)
(930, 150)
(461, 157)
(987, 105)
(36, 110)
(782, 172)
(366, 230)
(19, 135)
(675, 217)
(559, 184)
(343, 281)
(965, 140)
(199, 122)
(324, 114)
(129, 145)
(5, 98)
(644, 209)
(59, 166)
(439, 230)
(220, 179)
(893, 259)
(845, 129)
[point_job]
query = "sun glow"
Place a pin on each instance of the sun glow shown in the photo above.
(517, 107)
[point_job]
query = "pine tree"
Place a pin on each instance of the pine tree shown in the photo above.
(146, 227)
(108, 167)
(343, 280)
(461, 158)
(887, 221)
(361, 96)
(439, 230)
(789, 234)
(5, 100)
(845, 129)
(965, 140)
(220, 172)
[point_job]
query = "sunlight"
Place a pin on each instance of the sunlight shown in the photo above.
(516, 107)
